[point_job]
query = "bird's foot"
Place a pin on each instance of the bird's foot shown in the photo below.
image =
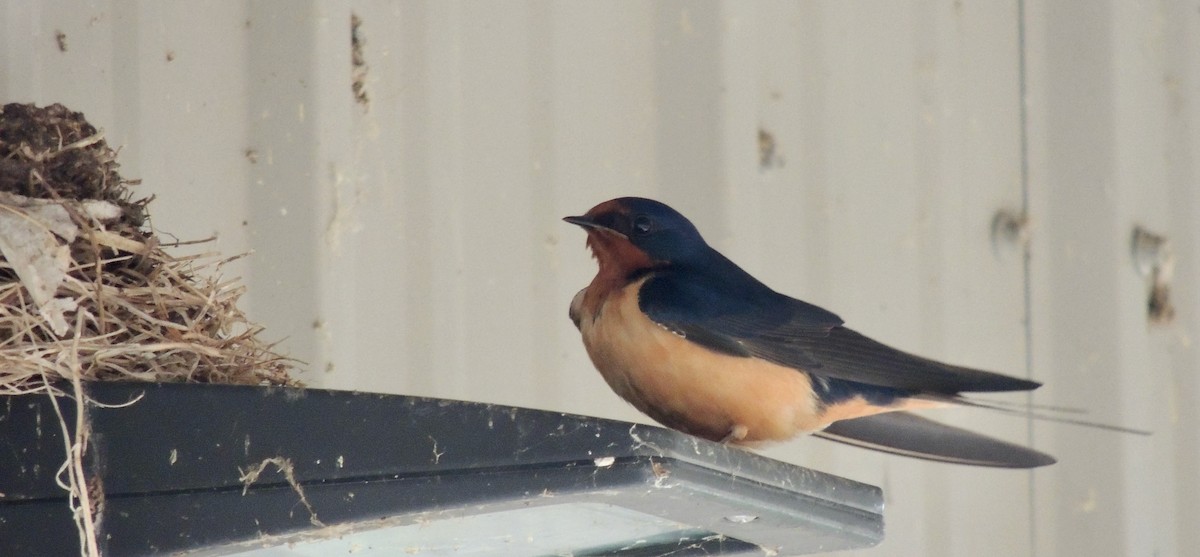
(736, 433)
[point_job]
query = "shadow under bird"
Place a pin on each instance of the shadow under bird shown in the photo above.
(701, 346)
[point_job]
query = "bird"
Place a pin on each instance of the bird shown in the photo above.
(699, 345)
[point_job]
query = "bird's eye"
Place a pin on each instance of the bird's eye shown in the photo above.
(642, 225)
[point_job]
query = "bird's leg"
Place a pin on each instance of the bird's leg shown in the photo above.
(736, 433)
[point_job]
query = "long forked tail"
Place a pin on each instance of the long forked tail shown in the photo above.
(1031, 411)
(908, 434)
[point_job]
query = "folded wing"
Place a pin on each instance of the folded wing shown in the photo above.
(758, 322)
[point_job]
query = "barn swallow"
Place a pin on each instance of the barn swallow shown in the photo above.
(699, 345)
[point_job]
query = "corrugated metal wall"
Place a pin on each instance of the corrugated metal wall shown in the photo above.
(411, 243)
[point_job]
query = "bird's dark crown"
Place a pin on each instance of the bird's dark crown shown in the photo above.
(653, 227)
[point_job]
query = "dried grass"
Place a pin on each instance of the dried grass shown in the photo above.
(146, 315)
(87, 292)
(175, 324)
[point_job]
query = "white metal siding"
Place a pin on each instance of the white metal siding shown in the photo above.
(413, 245)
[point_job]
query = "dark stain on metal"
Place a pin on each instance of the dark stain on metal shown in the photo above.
(1155, 260)
(358, 71)
(767, 156)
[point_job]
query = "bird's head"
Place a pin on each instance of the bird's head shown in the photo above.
(633, 233)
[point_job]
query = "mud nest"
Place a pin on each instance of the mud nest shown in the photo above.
(86, 288)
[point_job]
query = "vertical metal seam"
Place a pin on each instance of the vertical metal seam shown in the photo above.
(1026, 251)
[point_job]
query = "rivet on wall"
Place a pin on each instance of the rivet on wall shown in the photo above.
(1010, 230)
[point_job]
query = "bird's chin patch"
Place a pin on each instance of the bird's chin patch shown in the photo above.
(613, 250)
(604, 239)
(611, 232)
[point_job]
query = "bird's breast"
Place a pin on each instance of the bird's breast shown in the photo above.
(686, 386)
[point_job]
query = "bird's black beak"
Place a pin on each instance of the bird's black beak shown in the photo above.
(589, 224)
(585, 222)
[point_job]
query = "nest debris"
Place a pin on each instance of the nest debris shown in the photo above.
(87, 290)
